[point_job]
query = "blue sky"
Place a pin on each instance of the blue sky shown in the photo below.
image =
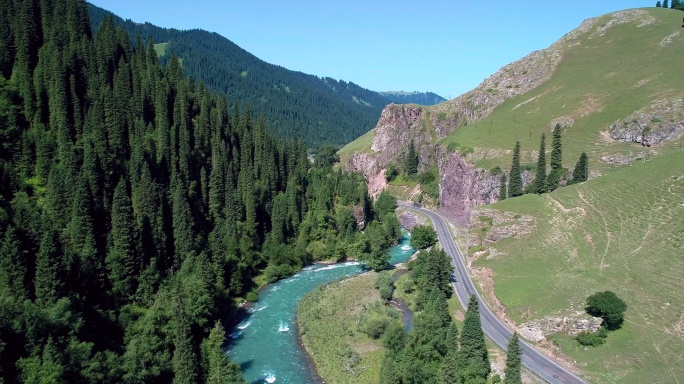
(442, 46)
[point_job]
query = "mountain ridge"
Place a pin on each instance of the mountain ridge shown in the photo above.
(294, 104)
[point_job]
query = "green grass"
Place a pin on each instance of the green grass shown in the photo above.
(622, 232)
(594, 84)
(160, 48)
(328, 319)
(362, 144)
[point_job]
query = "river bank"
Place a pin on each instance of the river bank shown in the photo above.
(332, 320)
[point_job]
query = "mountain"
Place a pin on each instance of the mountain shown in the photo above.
(318, 110)
(421, 98)
(137, 207)
(614, 86)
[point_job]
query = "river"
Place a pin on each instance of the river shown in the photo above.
(265, 343)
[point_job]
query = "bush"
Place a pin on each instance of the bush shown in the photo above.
(374, 326)
(592, 339)
(495, 171)
(607, 306)
(385, 284)
(252, 296)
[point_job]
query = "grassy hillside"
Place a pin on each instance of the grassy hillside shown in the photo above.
(623, 232)
(610, 67)
(606, 74)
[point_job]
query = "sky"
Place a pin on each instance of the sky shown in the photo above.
(443, 46)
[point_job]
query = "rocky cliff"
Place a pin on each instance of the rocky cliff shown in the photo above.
(462, 185)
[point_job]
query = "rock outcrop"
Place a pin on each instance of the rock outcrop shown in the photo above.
(659, 122)
(463, 186)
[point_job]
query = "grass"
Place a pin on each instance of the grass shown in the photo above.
(362, 144)
(623, 232)
(160, 48)
(595, 85)
(328, 318)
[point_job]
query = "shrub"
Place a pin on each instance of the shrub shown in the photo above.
(252, 296)
(374, 326)
(592, 339)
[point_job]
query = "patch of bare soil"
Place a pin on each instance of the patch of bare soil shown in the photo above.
(589, 106)
(459, 315)
(605, 136)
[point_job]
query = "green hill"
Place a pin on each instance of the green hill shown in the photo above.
(622, 232)
(316, 109)
(615, 85)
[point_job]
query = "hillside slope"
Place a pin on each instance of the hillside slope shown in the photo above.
(615, 87)
(622, 232)
(294, 104)
(613, 83)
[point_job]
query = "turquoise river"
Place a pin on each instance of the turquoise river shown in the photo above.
(265, 343)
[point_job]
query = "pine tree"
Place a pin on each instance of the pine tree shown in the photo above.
(513, 365)
(515, 184)
(12, 267)
(411, 164)
(658, 4)
(121, 260)
(666, 4)
(540, 177)
(581, 172)
(472, 356)
(556, 173)
(220, 370)
(503, 187)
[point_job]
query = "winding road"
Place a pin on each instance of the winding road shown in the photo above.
(494, 328)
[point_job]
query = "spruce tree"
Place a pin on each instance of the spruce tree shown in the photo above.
(554, 177)
(540, 177)
(658, 4)
(666, 4)
(473, 357)
(515, 184)
(411, 164)
(121, 260)
(581, 172)
(503, 187)
(220, 370)
(513, 364)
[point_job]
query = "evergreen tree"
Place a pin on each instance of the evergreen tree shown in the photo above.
(449, 373)
(513, 364)
(658, 4)
(122, 261)
(473, 358)
(581, 172)
(666, 4)
(515, 183)
(219, 369)
(540, 177)
(411, 164)
(12, 267)
(556, 173)
(503, 187)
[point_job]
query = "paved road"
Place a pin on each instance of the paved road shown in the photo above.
(491, 325)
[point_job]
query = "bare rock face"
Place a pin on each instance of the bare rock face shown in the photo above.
(659, 122)
(398, 125)
(463, 186)
(409, 220)
(366, 164)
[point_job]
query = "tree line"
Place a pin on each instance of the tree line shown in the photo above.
(136, 206)
(294, 104)
(435, 351)
(511, 185)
